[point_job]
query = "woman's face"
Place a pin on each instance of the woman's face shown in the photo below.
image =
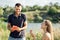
(43, 26)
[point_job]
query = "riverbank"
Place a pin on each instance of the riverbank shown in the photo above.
(4, 32)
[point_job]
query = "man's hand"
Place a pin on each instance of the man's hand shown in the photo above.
(18, 29)
(15, 28)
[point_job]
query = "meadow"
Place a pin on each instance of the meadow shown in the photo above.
(4, 33)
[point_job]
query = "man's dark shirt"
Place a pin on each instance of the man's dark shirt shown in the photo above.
(17, 21)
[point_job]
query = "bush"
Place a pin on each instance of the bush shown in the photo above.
(3, 19)
(52, 11)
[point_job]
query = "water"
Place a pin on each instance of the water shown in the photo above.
(37, 26)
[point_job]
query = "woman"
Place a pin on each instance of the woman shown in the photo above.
(48, 30)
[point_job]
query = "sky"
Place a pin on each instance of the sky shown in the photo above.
(27, 2)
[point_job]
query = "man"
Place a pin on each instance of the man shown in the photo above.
(17, 24)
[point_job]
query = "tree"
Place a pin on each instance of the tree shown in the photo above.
(56, 5)
(36, 7)
(46, 7)
(28, 8)
(37, 18)
(52, 11)
(7, 10)
(1, 11)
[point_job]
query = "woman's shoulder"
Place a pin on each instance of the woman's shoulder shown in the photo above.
(48, 35)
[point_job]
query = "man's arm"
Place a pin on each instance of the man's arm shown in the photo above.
(9, 23)
(9, 26)
(25, 23)
(25, 26)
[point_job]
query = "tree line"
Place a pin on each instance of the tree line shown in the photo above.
(35, 13)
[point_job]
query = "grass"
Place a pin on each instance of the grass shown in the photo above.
(4, 33)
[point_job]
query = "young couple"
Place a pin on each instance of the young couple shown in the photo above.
(17, 24)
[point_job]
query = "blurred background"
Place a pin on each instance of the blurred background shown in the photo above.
(36, 11)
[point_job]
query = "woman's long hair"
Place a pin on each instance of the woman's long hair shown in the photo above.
(49, 28)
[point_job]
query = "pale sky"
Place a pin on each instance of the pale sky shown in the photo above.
(27, 2)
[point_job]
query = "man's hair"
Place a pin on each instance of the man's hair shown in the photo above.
(18, 4)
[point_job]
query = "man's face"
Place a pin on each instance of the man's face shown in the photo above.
(18, 9)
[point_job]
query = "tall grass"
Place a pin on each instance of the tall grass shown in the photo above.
(4, 33)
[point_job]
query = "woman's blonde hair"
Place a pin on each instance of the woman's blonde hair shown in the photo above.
(49, 28)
